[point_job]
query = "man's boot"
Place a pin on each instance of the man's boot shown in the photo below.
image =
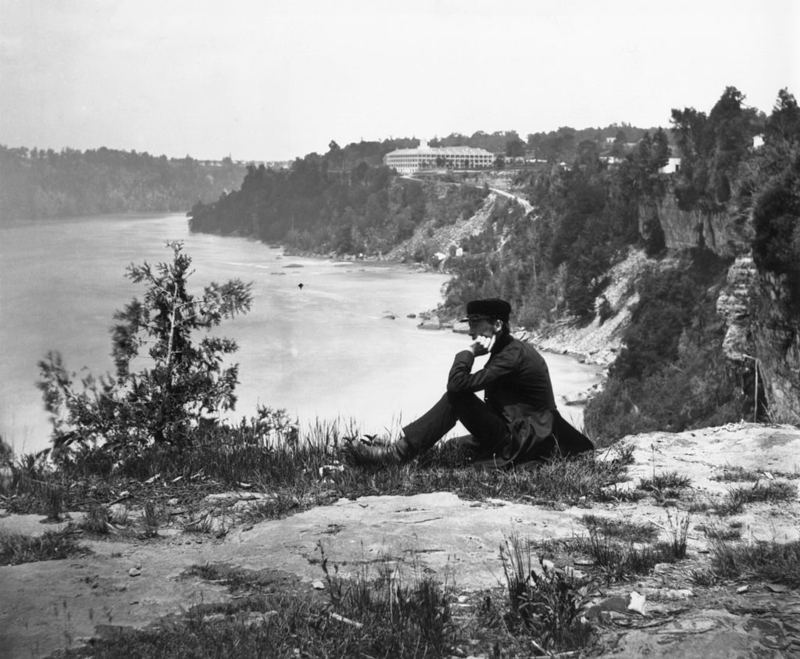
(366, 451)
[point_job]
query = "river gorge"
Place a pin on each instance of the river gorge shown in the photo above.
(343, 346)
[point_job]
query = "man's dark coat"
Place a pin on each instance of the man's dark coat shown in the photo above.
(516, 386)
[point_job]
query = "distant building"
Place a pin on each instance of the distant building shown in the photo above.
(673, 165)
(408, 161)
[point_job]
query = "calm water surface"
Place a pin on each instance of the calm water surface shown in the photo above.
(325, 351)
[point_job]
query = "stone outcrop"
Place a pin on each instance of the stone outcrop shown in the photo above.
(764, 330)
(763, 323)
(734, 304)
(718, 232)
(776, 336)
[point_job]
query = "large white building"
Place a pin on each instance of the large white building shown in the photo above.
(408, 161)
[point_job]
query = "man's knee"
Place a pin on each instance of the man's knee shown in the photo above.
(461, 399)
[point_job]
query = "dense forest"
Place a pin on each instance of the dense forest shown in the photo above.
(45, 183)
(555, 146)
(589, 210)
(345, 201)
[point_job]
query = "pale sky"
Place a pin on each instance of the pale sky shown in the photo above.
(274, 80)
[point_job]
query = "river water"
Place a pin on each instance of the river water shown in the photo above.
(326, 350)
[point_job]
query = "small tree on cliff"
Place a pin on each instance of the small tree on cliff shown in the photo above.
(180, 382)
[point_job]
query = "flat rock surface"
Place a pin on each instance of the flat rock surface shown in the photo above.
(49, 605)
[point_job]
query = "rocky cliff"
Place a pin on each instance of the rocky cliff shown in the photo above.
(775, 328)
(763, 325)
(721, 233)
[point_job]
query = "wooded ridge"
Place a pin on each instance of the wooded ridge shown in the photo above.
(48, 184)
(732, 197)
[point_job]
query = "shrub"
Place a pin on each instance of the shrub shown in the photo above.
(184, 382)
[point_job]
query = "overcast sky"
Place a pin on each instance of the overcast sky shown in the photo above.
(269, 80)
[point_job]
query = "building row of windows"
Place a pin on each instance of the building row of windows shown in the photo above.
(405, 162)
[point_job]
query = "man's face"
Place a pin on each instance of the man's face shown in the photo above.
(481, 327)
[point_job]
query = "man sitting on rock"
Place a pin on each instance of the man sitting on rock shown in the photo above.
(517, 422)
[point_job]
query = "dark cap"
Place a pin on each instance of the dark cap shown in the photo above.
(492, 308)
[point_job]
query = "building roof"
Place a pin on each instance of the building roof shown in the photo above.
(440, 151)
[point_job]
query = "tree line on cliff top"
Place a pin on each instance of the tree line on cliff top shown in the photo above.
(553, 266)
(39, 183)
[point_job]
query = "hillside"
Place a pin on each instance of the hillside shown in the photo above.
(686, 283)
(47, 184)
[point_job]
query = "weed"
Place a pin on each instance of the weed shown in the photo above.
(50, 546)
(278, 506)
(619, 528)
(96, 520)
(735, 474)
(201, 524)
(704, 577)
(620, 560)
(772, 492)
(731, 504)
(53, 496)
(545, 602)
(150, 519)
(613, 495)
(678, 531)
(670, 480)
(238, 580)
(767, 561)
(714, 532)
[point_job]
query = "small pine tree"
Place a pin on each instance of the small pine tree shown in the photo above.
(180, 381)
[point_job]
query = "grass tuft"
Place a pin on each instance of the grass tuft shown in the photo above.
(16, 548)
(764, 561)
(622, 560)
(772, 492)
(715, 532)
(151, 519)
(545, 602)
(96, 520)
(620, 528)
(670, 480)
(737, 474)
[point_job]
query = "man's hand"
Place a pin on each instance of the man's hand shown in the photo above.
(482, 345)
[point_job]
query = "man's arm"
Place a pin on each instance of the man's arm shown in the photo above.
(461, 379)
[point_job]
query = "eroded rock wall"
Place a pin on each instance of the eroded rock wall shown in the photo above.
(734, 305)
(775, 329)
(763, 329)
(719, 232)
(763, 323)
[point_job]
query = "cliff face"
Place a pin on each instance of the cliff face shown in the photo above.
(776, 335)
(763, 326)
(734, 305)
(718, 232)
